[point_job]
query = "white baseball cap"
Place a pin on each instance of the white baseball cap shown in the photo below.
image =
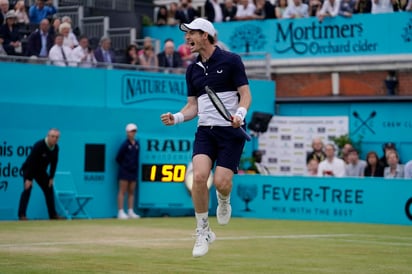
(199, 24)
(131, 127)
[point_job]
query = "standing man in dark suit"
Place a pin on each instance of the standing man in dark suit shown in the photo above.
(44, 153)
(169, 58)
(104, 53)
(40, 41)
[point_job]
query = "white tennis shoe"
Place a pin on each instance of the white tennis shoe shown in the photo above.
(122, 215)
(133, 215)
(224, 210)
(204, 237)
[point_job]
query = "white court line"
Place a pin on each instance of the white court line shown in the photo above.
(148, 241)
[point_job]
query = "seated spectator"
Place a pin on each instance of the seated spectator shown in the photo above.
(229, 11)
(161, 16)
(298, 10)
(40, 41)
(312, 167)
(408, 170)
(257, 167)
(363, 6)
(382, 6)
(213, 11)
(314, 7)
(186, 13)
(280, 8)
(69, 39)
(355, 166)
(344, 152)
(400, 5)
(186, 54)
(387, 147)
(40, 10)
(147, 42)
(332, 166)
(394, 169)
(83, 54)
(104, 53)
(60, 55)
(21, 13)
(330, 8)
(169, 58)
(149, 58)
(55, 25)
(76, 31)
(171, 15)
(317, 151)
(374, 167)
(2, 51)
(132, 56)
(264, 10)
(245, 10)
(409, 6)
(11, 35)
(347, 8)
(4, 8)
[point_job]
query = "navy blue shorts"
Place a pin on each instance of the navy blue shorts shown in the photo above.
(223, 145)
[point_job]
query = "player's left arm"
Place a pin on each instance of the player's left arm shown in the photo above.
(244, 104)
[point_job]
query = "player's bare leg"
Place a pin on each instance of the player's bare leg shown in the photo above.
(200, 196)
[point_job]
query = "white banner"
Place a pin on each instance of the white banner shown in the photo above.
(289, 139)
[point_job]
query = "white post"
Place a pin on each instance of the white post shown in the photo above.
(335, 83)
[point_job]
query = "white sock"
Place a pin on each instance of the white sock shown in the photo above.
(131, 210)
(202, 220)
(121, 211)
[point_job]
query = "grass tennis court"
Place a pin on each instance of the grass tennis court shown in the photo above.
(164, 245)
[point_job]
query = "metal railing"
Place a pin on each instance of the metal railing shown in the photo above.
(95, 27)
(120, 5)
(100, 65)
(121, 37)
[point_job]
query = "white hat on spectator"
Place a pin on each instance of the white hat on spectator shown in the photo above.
(11, 14)
(131, 127)
(199, 24)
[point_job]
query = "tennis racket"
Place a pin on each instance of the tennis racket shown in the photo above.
(220, 107)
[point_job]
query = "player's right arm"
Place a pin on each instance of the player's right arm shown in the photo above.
(188, 112)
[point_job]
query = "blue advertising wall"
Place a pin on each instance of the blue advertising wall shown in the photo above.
(91, 107)
(361, 35)
(360, 200)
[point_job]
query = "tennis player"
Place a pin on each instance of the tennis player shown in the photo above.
(217, 141)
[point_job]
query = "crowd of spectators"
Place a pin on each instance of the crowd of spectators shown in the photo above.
(323, 161)
(33, 31)
(239, 10)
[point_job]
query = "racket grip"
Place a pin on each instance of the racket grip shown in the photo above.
(245, 134)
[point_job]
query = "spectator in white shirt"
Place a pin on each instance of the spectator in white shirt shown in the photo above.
(382, 6)
(69, 39)
(59, 54)
(408, 170)
(330, 8)
(332, 166)
(83, 54)
(298, 10)
(213, 11)
(394, 169)
(245, 11)
(355, 166)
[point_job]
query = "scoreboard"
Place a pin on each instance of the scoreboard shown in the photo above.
(164, 163)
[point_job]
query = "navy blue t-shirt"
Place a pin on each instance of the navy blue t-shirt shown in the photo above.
(128, 160)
